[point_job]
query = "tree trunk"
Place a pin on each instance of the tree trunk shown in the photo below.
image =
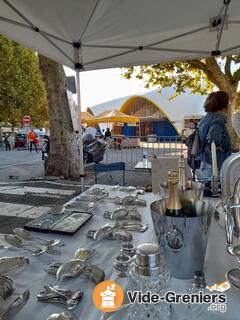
(63, 159)
(223, 82)
(233, 107)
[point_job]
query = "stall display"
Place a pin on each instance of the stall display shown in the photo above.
(93, 261)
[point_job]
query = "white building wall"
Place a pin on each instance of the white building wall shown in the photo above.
(184, 105)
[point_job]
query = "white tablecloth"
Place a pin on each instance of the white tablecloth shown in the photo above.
(34, 277)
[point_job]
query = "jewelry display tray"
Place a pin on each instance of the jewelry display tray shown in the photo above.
(67, 222)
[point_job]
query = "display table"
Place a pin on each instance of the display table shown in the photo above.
(140, 167)
(34, 277)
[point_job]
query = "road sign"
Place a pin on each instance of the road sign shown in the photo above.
(26, 119)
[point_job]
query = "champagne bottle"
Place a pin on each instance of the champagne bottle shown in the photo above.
(173, 205)
(183, 181)
(188, 208)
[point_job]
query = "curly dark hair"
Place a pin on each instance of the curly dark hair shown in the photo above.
(216, 101)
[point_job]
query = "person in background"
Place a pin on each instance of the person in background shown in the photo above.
(37, 141)
(46, 146)
(107, 134)
(32, 140)
(7, 143)
(89, 135)
(11, 140)
(212, 127)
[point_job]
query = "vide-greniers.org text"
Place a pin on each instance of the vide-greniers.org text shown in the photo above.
(175, 298)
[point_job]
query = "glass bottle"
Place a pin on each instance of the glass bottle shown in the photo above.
(182, 174)
(173, 205)
(148, 272)
(188, 207)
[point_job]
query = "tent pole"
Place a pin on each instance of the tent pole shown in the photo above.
(80, 130)
(139, 124)
(78, 66)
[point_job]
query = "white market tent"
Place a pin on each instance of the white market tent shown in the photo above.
(95, 34)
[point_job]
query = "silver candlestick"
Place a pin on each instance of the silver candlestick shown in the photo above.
(215, 186)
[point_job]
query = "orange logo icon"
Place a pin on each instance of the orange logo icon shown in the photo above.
(108, 296)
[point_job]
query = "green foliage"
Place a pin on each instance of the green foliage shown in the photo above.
(200, 76)
(22, 90)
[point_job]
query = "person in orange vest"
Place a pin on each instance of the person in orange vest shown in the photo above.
(32, 140)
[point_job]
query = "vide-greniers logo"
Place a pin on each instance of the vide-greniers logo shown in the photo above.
(108, 296)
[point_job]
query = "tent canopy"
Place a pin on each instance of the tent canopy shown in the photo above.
(94, 34)
(114, 116)
(86, 116)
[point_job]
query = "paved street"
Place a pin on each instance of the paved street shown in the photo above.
(20, 165)
(24, 195)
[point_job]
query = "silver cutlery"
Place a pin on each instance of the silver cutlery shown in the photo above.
(84, 254)
(9, 263)
(16, 242)
(7, 286)
(15, 306)
(55, 294)
(62, 316)
(123, 213)
(26, 235)
(75, 268)
(115, 234)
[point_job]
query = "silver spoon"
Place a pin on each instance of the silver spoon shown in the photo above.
(15, 306)
(18, 243)
(26, 235)
(62, 316)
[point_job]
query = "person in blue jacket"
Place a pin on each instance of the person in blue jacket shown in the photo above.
(212, 127)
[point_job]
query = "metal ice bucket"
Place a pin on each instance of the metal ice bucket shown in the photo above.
(183, 240)
(195, 191)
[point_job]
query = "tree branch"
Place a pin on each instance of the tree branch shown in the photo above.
(203, 67)
(227, 67)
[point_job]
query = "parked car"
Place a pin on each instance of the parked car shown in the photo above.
(21, 140)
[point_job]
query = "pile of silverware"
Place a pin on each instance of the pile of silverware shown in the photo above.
(15, 306)
(78, 267)
(55, 294)
(36, 245)
(117, 230)
(7, 285)
(123, 213)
